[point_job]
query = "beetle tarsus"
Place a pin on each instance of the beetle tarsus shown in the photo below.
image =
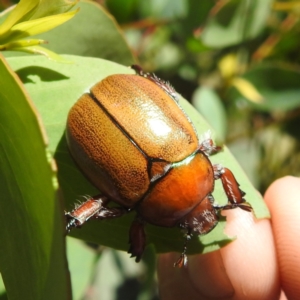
(93, 208)
(182, 260)
(137, 239)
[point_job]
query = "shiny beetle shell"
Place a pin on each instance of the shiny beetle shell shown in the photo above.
(137, 146)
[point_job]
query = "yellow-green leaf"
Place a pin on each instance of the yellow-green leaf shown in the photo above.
(53, 7)
(247, 89)
(287, 6)
(33, 27)
(46, 52)
(228, 66)
(21, 44)
(23, 10)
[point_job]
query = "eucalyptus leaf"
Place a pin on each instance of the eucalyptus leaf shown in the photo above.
(55, 88)
(42, 50)
(81, 260)
(277, 84)
(21, 43)
(93, 32)
(22, 11)
(53, 7)
(36, 26)
(208, 103)
(236, 22)
(32, 252)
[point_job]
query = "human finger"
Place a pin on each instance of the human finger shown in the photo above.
(245, 269)
(283, 199)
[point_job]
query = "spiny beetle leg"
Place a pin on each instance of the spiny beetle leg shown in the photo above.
(137, 239)
(208, 146)
(182, 260)
(93, 208)
(231, 187)
(166, 86)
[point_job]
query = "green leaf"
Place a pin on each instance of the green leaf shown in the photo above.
(36, 26)
(32, 252)
(236, 22)
(42, 50)
(53, 7)
(22, 11)
(93, 32)
(277, 84)
(81, 260)
(21, 44)
(167, 9)
(54, 89)
(122, 10)
(197, 13)
(2, 289)
(208, 103)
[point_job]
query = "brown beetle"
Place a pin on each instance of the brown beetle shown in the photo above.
(132, 140)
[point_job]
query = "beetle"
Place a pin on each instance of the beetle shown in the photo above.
(134, 142)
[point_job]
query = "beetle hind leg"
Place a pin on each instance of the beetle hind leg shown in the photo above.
(201, 220)
(182, 260)
(137, 239)
(231, 187)
(93, 208)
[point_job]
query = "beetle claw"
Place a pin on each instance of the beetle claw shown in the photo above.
(181, 261)
(137, 240)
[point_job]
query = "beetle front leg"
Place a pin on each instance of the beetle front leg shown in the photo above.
(208, 146)
(93, 208)
(231, 187)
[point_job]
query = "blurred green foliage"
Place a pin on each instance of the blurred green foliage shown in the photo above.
(238, 62)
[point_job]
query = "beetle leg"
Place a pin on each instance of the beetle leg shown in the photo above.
(201, 220)
(93, 208)
(137, 239)
(231, 187)
(165, 85)
(139, 71)
(182, 260)
(208, 146)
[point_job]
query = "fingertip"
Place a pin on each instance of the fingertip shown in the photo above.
(283, 200)
(204, 277)
(250, 260)
(173, 283)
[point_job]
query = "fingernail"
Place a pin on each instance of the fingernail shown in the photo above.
(208, 275)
